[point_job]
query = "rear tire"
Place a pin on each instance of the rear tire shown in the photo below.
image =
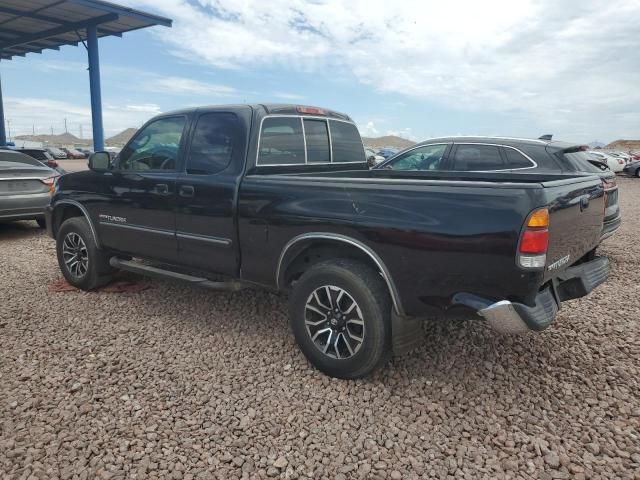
(340, 314)
(82, 263)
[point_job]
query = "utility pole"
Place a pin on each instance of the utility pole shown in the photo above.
(65, 126)
(33, 130)
(52, 130)
(80, 130)
(9, 129)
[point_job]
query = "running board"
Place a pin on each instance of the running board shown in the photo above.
(142, 269)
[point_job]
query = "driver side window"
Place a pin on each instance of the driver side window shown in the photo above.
(155, 147)
(428, 157)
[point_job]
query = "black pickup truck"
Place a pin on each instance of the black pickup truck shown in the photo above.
(280, 196)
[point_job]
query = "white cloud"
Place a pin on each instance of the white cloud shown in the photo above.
(369, 129)
(187, 86)
(292, 97)
(29, 114)
(571, 66)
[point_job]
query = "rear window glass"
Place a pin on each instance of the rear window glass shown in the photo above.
(516, 160)
(346, 142)
(470, 158)
(281, 141)
(317, 137)
(580, 161)
(9, 156)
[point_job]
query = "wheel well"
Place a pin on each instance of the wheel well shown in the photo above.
(62, 213)
(305, 254)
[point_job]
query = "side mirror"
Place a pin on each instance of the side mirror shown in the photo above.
(100, 161)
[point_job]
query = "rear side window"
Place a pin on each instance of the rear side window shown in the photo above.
(281, 142)
(217, 137)
(427, 157)
(317, 137)
(346, 142)
(580, 161)
(516, 160)
(469, 158)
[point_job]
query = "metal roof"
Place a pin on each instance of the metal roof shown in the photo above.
(31, 26)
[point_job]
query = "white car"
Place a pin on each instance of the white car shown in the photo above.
(622, 155)
(615, 164)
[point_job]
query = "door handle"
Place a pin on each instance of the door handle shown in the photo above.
(187, 191)
(161, 189)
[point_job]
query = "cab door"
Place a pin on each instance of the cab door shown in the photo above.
(138, 216)
(206, 191)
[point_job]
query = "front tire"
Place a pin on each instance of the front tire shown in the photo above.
(339, 312)
(82, 263)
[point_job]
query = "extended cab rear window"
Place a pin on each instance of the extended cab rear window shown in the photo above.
(294, 140)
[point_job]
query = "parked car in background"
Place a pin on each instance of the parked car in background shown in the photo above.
(518, 155)
(43, 156)
(373, 158)
(624, 156)
(56, 153)
(25, 185)
(281, 196)
(86, 151)
(388, 152)
(632, 168)
(615, 164)
(73, 153)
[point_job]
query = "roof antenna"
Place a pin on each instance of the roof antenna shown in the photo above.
(547, 136)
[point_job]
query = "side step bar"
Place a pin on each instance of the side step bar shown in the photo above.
(142, 269)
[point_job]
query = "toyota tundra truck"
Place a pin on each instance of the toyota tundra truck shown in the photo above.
(280, 197)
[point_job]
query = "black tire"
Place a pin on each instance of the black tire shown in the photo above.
(41, 223)
(98, 272)
(366, 288)
(638, 173)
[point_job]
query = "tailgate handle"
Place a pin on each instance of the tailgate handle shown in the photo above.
(584, 203)
(187, 191)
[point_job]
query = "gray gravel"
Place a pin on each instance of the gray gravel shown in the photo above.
(177, 382)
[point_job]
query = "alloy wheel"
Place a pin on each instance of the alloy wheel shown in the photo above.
(75, 255)
(334, 322)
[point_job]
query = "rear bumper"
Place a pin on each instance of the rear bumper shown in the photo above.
(575, 282)
(23, 207)
(610, 226)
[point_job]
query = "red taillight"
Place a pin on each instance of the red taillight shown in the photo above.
(48, 181)
(52, 163)
(534, 241)
(311, 110)
(620, 162)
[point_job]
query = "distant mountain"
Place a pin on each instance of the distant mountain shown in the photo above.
(387, 141)
(624, 145)
(596, 144)
(61, 140)
(121, 138)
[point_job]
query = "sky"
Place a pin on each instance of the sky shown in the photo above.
(414, 68)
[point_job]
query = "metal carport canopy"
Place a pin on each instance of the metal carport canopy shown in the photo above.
(31, 26)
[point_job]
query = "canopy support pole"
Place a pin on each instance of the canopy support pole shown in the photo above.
(94, 86)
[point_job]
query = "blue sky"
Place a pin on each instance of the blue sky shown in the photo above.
(413, 68)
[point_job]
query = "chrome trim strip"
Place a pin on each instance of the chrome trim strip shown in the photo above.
(302, 117)
(395, 297)
(424, 181)
(86, 214)
(204, 238)
(304, 141)
(139, 228)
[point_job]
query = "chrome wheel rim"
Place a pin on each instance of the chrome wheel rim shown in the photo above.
(334, 322)
(75, 255)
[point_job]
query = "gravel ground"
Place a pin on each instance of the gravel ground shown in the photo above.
(177, 382)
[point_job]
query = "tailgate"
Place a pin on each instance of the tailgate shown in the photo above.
(576, 214)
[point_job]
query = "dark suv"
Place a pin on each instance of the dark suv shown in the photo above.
(505, 154)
